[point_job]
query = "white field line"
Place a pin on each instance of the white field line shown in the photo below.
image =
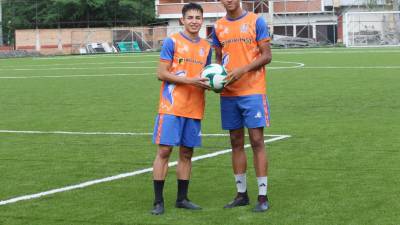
(274, 51)
(305, 52)
(122, 175)
(80, 75)
(105, 133)
(78, 68)
(351, 67)
(77, 64)
(296, 65)
(94, 56)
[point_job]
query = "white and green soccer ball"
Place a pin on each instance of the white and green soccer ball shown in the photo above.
(216, 75)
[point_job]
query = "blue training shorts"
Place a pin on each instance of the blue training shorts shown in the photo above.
(251, 111)
(177, 131)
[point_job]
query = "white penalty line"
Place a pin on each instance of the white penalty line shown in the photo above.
(106, 133)
(124, 175)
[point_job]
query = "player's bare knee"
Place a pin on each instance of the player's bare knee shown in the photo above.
(164, 154)
(258, 145)
(186, 154)
(237, 143)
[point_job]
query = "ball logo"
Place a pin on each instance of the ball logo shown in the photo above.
(181, 60)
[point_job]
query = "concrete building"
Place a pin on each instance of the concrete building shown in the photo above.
(320, 20)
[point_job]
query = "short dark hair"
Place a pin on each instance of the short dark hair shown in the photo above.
(191, 6)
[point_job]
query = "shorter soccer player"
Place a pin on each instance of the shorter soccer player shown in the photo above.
(183, 57)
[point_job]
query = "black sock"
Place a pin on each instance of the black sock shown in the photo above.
(242, 194)
(183, 186)
(158, 191)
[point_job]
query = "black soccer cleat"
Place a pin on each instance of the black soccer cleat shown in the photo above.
(262, 204)
(186, 204)
(158, 208)
(241, 199)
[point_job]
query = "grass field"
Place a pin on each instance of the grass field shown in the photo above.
(341, 108)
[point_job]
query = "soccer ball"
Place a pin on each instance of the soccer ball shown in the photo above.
(216, 75)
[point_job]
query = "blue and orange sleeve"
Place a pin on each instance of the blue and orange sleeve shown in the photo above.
(262, 32)
(167, 50)
(209, 57)
(215, 40)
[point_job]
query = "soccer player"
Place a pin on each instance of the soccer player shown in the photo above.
(241, 43)
(183, 57)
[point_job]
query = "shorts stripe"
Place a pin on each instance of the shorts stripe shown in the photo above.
(159, 128)
(266, 110)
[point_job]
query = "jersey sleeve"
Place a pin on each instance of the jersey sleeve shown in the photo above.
(262, 32)
(215, 40)
(167, 50)
(209, 57)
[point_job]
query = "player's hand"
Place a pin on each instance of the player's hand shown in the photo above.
(200, 82)
(234, 75)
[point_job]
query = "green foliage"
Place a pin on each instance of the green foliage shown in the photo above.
(28, 14)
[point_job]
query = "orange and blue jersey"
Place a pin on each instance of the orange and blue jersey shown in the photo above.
(188, 58)
(238, 39)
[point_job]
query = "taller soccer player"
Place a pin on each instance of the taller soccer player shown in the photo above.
(241, 42)
(183, 56)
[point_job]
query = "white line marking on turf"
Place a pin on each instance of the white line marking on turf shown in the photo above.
(103, 133)
(95, 56)
(123, 175)
(305, 52)
(274, 51)
(77, 64)
(297, 65)
(79, 75)
(351, 67)
(79, 68)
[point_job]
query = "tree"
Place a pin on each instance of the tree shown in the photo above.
(29, 14)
